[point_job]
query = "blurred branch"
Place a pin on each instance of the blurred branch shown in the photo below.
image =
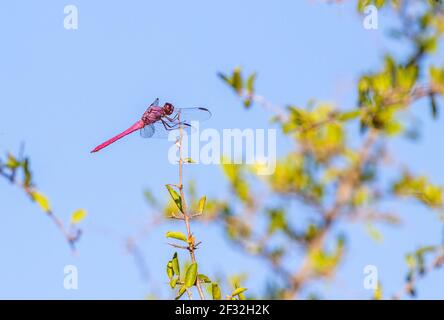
(344, 191)
(416, 273)
(10, 169)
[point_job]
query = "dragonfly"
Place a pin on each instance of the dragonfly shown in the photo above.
(158, 122)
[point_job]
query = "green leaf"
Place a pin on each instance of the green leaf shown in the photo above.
(175, 262)
(410, 260)
(78, 216)
(377, 295)
(176, 235)
(41, 200)
(169, 269)
(250, 89)
(238, 291)
(27, 173)
(374, 233)
(201, 204)
(203, 278)
(236, 80)
(176, 197)
(188, 160)
(437, 75)
(349, 115)
(429, 44)
(181, 292)
(12, 162)
(190, 275)
(173, 282)
(250, 83)
(277, 220)
(215, 291)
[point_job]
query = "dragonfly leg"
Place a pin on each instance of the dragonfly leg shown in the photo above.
(174, 126)
(166, 125)
(173, 118)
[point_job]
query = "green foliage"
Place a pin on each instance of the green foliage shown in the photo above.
(41, 200)
(188, 160)
(278, 220)
(78, 216)
(215, 290)
(181, 292)
(294, 175)
(330, 177)
(245, 89)
(17, 171)
(326, 175)
(175, 264)
(235, 175)
(317, 128)
(383, 94)
(238, 291)
(377, 295)
(203, 278)
(378, 3)
(437, 75)
(419, 188)
(374, 233)
(191, 275)
(201, 205)
(188, 280)
(323, 262)
(176, 235)
(169, 269)
(416, 262)
(175, 196)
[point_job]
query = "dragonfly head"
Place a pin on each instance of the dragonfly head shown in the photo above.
(168, 108)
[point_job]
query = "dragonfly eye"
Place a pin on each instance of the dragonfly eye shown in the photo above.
(169, 108)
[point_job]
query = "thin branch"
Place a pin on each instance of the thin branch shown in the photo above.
(267, 105)
(409, 287)
(71, 237)
(344, 192)
(186, 217)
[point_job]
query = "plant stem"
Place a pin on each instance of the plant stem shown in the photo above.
(70, 238)
(187, 217)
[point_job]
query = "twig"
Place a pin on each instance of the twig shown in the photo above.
(409, 286)
(262, 101)
(344, 191)
(186, 217)
(69, 236)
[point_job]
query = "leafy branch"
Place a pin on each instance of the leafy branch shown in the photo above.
(16, 170)
(327, 175)
(419, 268)
(191, 275)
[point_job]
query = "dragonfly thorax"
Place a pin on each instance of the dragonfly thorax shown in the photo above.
(152, 115)
(155, 113)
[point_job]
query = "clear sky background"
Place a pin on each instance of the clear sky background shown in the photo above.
(62, 92)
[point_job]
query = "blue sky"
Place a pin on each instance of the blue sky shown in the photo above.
(64, 91)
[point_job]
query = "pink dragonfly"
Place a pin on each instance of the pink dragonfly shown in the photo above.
(159, 121)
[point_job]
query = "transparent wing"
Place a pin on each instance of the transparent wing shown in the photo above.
(155, 103)
(147, 131)
(162, 131)
(191, 114)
